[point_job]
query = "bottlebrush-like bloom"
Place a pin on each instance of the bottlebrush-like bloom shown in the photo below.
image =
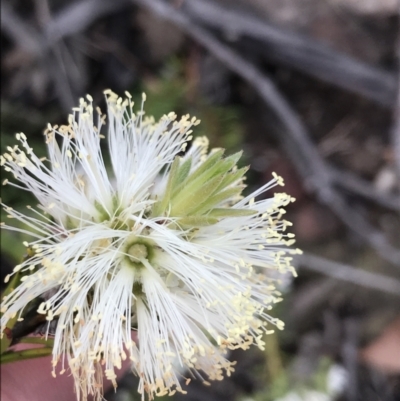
(165, 245)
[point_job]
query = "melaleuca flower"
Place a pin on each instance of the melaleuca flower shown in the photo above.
(162, 243)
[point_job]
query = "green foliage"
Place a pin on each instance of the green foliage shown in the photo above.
(195, 196)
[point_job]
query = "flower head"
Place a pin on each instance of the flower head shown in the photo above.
(165, 245)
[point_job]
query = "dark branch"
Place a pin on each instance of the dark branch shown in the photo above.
(358, 186)
(298, 51)
(348, 273)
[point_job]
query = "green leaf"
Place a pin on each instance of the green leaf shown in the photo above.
(25, 354)
(183, 172)
(200, 175)
(207, 164)
(193, 196)
(231, 212)
(197, 221)
(216, 200)
(233, 159)
(232, 177)
(162, 204)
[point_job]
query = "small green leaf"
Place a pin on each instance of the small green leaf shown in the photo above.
(216, 200)
(232, 178)
(191, 197)
(207, 164)
(14, 356)
(183, 172)
(162, 204)
(233, 159)
(200, 175)
(197, 221)
(230, 212)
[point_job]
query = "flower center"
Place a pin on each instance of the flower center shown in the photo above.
(137, 252)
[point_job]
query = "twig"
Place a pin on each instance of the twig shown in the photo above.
(70, 20)
(396, 132)
(56, 68)
(348, 273)
(396, 117)
(298, 51)
(61, 77)
(32, 42)
(358, 186)
(309, 163)
(19, 31)
(311, 298)
(350, 356)
(77, 16)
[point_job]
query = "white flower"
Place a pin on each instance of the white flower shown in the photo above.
(164, 245)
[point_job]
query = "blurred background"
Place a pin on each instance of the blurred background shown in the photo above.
(309, 89)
